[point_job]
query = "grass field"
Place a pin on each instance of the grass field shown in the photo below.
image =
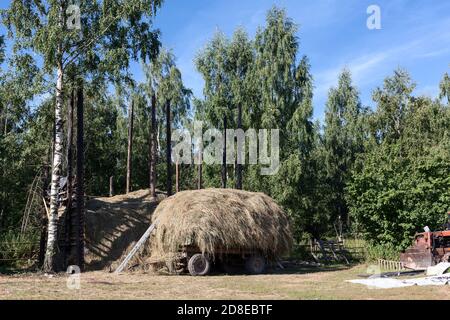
(299, 283)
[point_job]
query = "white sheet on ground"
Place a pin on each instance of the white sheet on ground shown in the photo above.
(438, 269)
(388, 283)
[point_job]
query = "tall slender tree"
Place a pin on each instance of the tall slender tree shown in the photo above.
(240, 57)
(130, 144)
(212, 63)
(276, 49)
(80, 213)
(342, 142)
(69, 157)
(164, 81)
(152, 146)
(168, 149)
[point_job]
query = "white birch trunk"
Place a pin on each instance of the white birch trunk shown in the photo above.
(49, 262)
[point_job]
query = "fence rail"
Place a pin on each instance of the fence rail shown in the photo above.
(390, 265)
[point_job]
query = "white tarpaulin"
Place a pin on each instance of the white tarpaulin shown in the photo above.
(438, 269)
(388, 283)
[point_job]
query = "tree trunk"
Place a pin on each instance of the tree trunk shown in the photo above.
(1, 219)
(79, 236)
(130, 145)
(224, 156)
(44, 217)
(238, 167)
(177, 177)
(49, 262)
(68, 213)
(3, 198)
(111, 186)
(168, 150)
(153, 151)
(200, 171)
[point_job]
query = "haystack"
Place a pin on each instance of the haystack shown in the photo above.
(220, 218)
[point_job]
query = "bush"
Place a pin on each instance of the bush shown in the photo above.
(394, 196)
(16, 248)
(381, 251)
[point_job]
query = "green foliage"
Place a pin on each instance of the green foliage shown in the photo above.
(403, 182)
(386, 251)
(163, 79)
(384, 172)
(444, 87)
(275, 92)
(111, 33)
(341, 143)
(16, 249)
(212, 63)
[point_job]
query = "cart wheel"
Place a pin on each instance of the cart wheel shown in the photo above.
(199, 265)
(255, 264)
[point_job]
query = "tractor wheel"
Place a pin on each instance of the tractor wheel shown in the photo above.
(256, 264)
(199, 265)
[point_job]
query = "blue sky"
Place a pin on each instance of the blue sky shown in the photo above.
(333, 34)
(415, 35)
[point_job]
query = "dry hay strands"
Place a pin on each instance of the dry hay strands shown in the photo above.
(221, 218)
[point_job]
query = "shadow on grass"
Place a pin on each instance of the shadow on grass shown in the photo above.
(11, 270)
(303, 269)
(288, 270)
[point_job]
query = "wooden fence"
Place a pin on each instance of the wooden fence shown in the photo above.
(390, 265)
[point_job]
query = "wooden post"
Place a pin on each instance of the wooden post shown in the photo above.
(200, 172)
(153, 150)
(79, 236)
(238, 167)
(130, 145)
(111, 186)
(169, 150)
(68, 213)
(177, 177)
(224, 155)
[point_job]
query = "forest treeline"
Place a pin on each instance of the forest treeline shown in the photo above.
(381, 171)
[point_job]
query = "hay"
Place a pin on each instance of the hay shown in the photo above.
(220, 218)
(114, 225)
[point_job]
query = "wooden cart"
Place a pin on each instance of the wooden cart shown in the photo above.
(190, 259)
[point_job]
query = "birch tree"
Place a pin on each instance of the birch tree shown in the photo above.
(342, 142)
(212, 63)
(444, 87)
(240, 56)
(97, 37)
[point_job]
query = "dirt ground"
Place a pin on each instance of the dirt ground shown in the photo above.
(300, 283)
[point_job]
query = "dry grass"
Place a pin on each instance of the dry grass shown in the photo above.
(300, 283)
(114, 224)
(220, 218)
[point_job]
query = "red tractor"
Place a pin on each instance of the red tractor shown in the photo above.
(428, 249)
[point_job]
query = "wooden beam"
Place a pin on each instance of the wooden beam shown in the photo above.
(136, 247)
